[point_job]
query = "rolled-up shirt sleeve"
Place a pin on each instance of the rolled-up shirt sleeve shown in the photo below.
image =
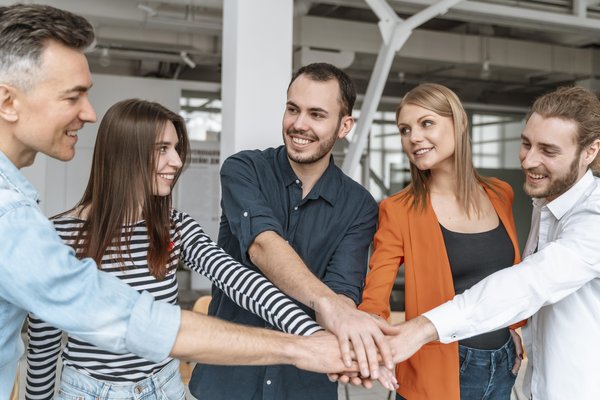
(348, 267)
(243, 203)
(42, 275)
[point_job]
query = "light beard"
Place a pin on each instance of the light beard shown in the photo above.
(560, 185)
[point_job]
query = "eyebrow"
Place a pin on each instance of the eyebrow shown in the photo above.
(424, 116)
(163, 142)
(312, 109)
(546, 146)
(78, 89)
(418, 119)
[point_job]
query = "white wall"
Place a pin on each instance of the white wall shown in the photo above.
(257, 65)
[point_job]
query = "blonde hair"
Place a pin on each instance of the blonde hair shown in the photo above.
(445, 102)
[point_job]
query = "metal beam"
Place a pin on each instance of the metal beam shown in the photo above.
(449, 48)
(580, 8)
(480, 11)
(395, 32)
(502, 15)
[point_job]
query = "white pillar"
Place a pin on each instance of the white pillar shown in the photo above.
(257, 66)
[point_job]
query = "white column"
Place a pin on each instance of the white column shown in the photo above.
(257, 66)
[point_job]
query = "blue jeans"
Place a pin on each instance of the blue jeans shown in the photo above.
(485, 374)
(164, 385)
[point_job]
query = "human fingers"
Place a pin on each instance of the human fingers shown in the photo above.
(360, 354)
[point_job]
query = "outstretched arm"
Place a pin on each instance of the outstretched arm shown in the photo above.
(337, 312)
(213, 341)
(413, 335)
(245, 287)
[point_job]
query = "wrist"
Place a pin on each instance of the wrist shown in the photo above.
(324, 305)
(292, 350)
(426, 331)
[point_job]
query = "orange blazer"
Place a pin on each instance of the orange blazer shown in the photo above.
(414, 238)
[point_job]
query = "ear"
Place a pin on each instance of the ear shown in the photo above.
(590, 152)
(8, 111)
(346, 125)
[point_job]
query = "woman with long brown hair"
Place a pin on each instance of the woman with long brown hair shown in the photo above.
(125, 222)
(450, 228)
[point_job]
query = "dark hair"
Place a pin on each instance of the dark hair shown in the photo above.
(576, 104)
(25, 30)
(122, 179)
(323, 72)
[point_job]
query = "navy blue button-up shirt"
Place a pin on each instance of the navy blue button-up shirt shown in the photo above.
(331, 229)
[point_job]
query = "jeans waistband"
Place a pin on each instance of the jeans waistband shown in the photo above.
(96, 387)
(488, 356)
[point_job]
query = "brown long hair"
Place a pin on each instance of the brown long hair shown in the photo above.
(121, 181)
(445, 102)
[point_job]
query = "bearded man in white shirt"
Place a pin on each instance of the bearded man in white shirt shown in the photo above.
(558, 282)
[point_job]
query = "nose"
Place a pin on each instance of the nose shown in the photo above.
(299, 123)
(529, 158)
(415, 136)
(87, 113)
(175, 160)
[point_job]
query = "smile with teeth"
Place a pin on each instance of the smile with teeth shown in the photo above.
(299, 140)
(423, 151)
(168, 177)
(533, 176)
(72, 133)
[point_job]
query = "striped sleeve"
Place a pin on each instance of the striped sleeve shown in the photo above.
(43, 349)
(247, 288)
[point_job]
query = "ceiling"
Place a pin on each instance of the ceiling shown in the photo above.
(498, 54)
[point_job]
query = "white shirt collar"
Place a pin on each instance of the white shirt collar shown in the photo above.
(563, 203)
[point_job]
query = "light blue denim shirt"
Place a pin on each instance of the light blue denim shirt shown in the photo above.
(39, 273)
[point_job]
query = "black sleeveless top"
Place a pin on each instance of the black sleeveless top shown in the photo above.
(474, 256)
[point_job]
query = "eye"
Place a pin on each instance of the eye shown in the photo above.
(162, 149)
(426, 123)
(404, 130)
(292, 110)
(318, 115)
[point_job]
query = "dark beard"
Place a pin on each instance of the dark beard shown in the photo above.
(323, 150)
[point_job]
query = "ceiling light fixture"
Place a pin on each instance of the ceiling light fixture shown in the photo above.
(104, 57)
(186, 59)
(147, 9)
(485, 73)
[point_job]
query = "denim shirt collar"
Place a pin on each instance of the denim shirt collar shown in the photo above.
(15, 180)
(327, 185)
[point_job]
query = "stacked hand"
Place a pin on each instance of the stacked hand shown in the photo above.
(403, 340)
(362, 337)
(366, 333)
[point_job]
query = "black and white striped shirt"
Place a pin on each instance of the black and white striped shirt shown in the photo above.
(198, 252)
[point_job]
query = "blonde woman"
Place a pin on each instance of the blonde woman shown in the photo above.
(450, 228)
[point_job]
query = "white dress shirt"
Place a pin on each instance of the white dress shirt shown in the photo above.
(558, 286)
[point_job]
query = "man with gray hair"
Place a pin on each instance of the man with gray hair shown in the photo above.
(44, 84)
